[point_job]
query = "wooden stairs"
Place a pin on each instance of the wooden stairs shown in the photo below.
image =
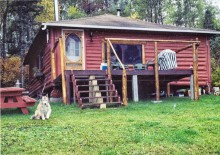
(95, 91)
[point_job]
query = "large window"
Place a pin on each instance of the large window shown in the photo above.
(73, 47)
(128, 54)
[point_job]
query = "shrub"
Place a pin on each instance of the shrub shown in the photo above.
(10, 70)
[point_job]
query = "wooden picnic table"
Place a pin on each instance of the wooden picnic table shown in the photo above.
(11, 97)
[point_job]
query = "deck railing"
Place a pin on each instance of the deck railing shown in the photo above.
(124, 74)
(192, 44)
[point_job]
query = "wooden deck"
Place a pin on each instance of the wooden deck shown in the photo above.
(145, 78)
(164, 75)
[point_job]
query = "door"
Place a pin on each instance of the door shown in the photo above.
(73, 50)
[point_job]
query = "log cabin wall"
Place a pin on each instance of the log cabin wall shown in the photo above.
(36, 85)
(93, 52)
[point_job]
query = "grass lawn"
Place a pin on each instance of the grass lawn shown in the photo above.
(140, 128)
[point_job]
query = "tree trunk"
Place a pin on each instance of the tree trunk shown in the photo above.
(4, 31)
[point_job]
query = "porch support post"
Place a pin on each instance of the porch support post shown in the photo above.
(124, 88)
(53, 65)
(143, 54)
(195, 72)
(192, 87)
(157, 86)
(67, 76)
(168, 89)
(61, 43)
(109, 60)
(135, 88)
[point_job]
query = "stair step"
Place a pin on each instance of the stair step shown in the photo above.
(93, 79)
(100, 85)
(97, 105)
(84, 76)
(98, 97)
(86, 97)
(96, 91)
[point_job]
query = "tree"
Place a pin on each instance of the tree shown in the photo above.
(187, 13)
(47, 12)
(150, 10)
(74, 12)
(19, 26)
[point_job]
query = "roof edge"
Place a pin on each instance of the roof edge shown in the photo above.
(127, 28)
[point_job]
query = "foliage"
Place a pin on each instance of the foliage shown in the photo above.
(216, 77)
(187, 13)
(47, 13)
(215, 48)
(215, 51)
(141, 128)
(10, 70)
(151, 11)
(18, 26)
(74, 12)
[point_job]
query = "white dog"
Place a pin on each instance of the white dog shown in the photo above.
(43, 109)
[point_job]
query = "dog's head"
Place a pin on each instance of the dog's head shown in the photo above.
(45, 100)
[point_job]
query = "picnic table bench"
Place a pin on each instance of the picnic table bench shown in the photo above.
(11, 97)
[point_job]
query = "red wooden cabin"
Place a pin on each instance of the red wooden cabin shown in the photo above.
(69, 54)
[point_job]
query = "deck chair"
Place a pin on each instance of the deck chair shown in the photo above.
(139, 66)
(150, 63)
(167, 60)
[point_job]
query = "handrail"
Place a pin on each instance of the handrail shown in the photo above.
(122, 65)
(124, 73)
(152, 40)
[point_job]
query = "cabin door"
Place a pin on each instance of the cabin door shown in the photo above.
(73, 50)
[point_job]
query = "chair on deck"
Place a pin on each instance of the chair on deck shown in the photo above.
(139, 66)
(166, 60)
(150, 63)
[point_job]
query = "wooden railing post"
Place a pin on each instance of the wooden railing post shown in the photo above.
(156, 68)
(124, 88)
(61, 43)
(143, 54)
(109, 72)
(195, 72)
(168, 89)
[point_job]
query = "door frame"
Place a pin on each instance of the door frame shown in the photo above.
(82, 42)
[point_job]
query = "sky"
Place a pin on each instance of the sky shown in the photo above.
(215, 3)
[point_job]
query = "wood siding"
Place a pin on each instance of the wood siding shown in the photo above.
(184, 58)
(36, 85)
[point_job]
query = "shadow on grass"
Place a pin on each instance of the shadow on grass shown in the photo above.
(13, 111)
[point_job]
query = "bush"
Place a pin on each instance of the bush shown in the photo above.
(216, 77)
(10, 70)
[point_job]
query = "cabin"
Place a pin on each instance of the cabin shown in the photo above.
(107, 60)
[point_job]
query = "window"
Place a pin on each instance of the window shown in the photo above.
(40, 60)
(128, 54)
(73, 47)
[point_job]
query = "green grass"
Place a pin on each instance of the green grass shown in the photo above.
(140, 128)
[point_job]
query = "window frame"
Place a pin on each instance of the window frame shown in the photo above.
(75, 40)
(104, 51)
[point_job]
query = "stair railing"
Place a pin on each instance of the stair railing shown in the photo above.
(124, 74)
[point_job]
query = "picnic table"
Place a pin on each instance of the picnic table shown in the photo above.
(11, 97)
